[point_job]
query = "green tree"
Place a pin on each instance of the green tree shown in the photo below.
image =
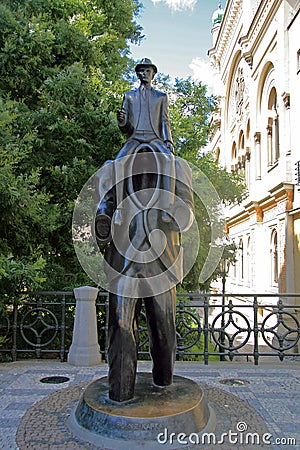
(190, 111)
(24, 208)
(62, 75)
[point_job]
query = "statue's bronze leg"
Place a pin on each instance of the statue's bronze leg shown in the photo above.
(162, 332)
(122, 352)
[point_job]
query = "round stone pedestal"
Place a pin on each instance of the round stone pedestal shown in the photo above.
(146, 420)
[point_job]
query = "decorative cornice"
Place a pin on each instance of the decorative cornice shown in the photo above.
(282, 194)
(256, 29)
(284, 191)
(230, 19)
(259, 18)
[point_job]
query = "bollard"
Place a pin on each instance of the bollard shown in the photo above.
(85, 350)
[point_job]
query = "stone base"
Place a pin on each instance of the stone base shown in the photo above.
(153, 414)
(46, 424)
(84, 356)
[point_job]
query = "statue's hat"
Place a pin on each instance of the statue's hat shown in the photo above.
(145, 62)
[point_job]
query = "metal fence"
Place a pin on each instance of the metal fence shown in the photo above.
(209, 326)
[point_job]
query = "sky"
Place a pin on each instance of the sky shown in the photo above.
(177, 36)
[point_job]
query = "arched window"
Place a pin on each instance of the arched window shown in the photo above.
(241, 259)
(241, 154)
(234, 266)
(273, 129)
(248, 258)
(233, 157)
(248, 130)
(248, 156)
(274, 258)
(268, 116)
(241, 142)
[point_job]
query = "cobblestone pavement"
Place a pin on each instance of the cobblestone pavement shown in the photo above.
(273, 390)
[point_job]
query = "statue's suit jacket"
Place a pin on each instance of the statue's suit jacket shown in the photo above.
(158, 109)
(143, 223)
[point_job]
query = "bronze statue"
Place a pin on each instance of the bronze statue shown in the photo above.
(138, 225)
(144, 119)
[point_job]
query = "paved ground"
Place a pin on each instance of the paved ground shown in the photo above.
(273, 390)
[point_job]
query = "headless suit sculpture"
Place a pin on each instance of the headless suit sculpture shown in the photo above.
(138, 227)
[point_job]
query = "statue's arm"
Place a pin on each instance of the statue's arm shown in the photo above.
(123, 116)
(165, 123)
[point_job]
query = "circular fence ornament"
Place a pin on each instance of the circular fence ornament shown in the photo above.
(280, 329)
(230, 326)
(39, 327)
(188, 328)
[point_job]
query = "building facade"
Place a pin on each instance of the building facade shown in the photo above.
(255, 57)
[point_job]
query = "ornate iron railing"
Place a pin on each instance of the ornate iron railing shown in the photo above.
(43, 324)
(239, 325)
(209, 326)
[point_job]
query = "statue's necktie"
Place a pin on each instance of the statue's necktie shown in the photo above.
(144, 93)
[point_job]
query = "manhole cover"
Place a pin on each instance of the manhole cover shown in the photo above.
(234, 382)
(54, 380)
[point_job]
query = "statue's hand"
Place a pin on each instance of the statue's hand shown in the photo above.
(170, 146)
(121, 117)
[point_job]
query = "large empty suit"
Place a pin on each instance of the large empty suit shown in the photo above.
(143, 255)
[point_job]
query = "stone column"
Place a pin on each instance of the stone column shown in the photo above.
(85, 350)
(287, 104)
(257, 155)
(260, 279)
(270, 145)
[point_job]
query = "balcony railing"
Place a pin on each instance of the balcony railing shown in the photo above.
(209, 326)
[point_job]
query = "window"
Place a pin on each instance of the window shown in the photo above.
(241, 259)
(248, 156)
(241, 154)
(268, 116)
(248, 260)
(272, 129)
(274, 258)
(233, 157)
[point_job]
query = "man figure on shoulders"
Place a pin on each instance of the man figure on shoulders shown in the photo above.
(144, 118)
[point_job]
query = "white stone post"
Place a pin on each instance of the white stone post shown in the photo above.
(85, 350)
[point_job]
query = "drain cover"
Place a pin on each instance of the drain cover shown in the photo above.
(234, 382)
(54, 380)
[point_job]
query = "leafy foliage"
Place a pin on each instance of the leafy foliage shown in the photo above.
(190, 112)
(64, 67)
(61, 79)
(24, 207)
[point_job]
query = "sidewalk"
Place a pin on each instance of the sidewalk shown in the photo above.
(273, 390)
